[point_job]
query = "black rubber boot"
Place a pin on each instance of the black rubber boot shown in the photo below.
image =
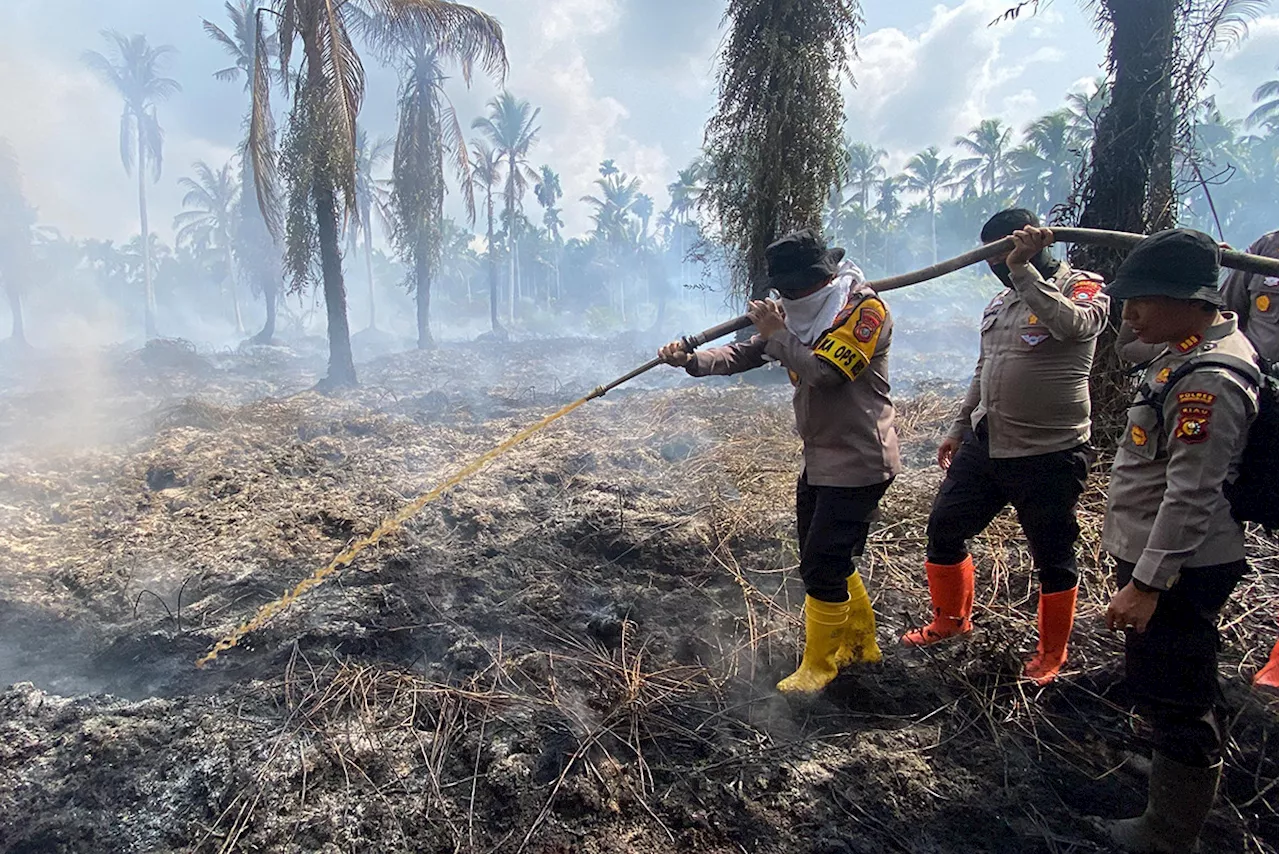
(1178, 802)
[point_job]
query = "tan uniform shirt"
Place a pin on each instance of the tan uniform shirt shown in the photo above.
(1255, 300)
(1165, 506)
(843, 410)
(1032, 378)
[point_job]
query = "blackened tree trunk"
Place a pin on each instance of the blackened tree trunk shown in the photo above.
(342, 369)
(1130, 180)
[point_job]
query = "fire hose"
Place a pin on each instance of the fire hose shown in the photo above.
(1113, 239)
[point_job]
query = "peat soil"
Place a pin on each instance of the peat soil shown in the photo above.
(572, 651)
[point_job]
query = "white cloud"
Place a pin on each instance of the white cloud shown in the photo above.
(927, 87)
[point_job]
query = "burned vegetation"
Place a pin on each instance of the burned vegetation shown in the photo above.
(573, 650)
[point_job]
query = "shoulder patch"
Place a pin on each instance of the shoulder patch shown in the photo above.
(1085, 290)
(1193, 424)
(1202, 398)
(870, 318)
(851, 343)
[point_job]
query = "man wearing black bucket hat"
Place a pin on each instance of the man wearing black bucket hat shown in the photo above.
(1021, 437)
(831, 332)
(1178, 551)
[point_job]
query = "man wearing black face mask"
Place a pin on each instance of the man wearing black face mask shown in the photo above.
(1021, 438)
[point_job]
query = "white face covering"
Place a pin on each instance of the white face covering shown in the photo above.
(809, 317)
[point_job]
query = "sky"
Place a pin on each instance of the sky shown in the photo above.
(630, 80)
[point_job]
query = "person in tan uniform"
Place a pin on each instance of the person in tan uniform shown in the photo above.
(1255, 301)
(1178, 551)
(831, 332)
(1021, 438)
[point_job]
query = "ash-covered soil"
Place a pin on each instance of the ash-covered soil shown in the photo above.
(573, 651)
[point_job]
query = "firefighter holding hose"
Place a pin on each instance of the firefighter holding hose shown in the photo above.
(831, 332)
(1021, 437)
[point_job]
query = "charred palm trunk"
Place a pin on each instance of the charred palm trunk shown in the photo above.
(342, 369)
(1130, 182)
(422, 291)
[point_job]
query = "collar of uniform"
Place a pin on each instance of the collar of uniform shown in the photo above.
(1215, 332)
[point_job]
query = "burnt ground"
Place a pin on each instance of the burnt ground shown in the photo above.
(572, 651)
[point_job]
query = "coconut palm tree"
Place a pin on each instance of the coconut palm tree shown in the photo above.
(209, 219)
(16, 221)
(257, 253)
(510, 127)
(427, 134)
(988, 143)
(864, 166)
(930, 174)
(134, 72)
(486, 173)
(318, 161)
(369, 197)
(1042, 170)
(1267, 113)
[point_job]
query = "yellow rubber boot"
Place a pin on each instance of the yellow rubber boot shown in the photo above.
(858, 646)
(824, 628)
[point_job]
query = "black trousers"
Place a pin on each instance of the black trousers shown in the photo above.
(1171, 669)
(832, 523)
(1043, 489)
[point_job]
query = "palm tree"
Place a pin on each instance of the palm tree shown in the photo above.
(427, 133)
(774, 143)
(319, 157)
(618, 195)
(486, 172)
(1044, 167)
(889, 206)
(642, 207)
(16, 221)
(510, 128)
(989, 144)
(864, 166)
(927, 173)
(1267, 97)
(547, 191)
(256, 251)
(369, 196)
(134, 72)
(211, 203)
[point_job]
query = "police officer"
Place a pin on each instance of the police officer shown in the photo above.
(832, 333)
(1021, 438)
(1178, 551)
(1255, 301)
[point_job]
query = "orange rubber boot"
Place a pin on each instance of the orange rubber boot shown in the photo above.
(1057, 616)
(1268, 675)
(951, 589)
